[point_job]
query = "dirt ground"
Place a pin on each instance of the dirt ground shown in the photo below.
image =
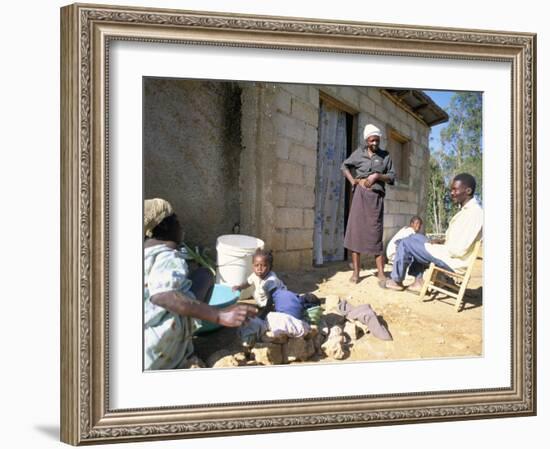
(420, 329)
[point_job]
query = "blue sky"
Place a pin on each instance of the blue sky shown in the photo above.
(442, 98)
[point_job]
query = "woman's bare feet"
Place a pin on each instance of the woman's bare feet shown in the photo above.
(354, 279)
(382, 279)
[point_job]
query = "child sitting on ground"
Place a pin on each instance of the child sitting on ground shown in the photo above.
(262, 278)
(282, 311)
(271, 293)
(415, 224)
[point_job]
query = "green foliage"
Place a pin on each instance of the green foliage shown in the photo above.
(461, 138)
(460, 152)
(201, 258)
(437, 216)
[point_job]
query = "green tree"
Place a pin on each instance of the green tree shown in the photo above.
(437, 216)
(461, 151)
(461, 139)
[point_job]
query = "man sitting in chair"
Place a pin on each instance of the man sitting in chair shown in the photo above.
(415, 252)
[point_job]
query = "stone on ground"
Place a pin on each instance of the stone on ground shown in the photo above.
(226, 359)
(268, 353)
(299, 349)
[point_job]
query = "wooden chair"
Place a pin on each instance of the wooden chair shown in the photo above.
(434, 285)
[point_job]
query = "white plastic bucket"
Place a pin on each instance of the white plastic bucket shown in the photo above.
(234, 263)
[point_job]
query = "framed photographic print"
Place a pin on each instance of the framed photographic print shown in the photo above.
(244, 128)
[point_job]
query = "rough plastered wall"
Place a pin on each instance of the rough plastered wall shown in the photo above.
(191, 153)
(279, 129)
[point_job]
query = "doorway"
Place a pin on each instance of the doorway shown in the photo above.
(335, 143)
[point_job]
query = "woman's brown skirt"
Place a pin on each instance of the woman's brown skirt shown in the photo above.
(365, 222)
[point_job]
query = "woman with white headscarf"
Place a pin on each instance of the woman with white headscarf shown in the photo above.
(174, 298)
(372, 168)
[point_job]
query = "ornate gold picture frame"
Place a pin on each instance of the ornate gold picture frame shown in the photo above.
(87, 32)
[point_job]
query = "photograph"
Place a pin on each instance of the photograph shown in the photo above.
(305, 223)
(290, 224)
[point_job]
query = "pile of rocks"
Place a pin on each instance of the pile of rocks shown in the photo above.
(331, 338)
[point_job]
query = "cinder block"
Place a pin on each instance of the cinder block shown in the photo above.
(286, 217)
(282, 147)
(374, 94)
(314, 96)
(289, 173)
(299, 239)
(311, 136)
(288, 126)
(395, 122)
(310, 175)
(309, 218)
(388, 105)
(402, 195)
(389, 220)
(297, 90)
(366, 104)
(390, 193)
(391, 207)
(304, 111)
(300, 196)
(350, 96)
(411, 120)
(279, 195)
(414, 160)
(287, 260)
(306, 156)
(282, 101)
(306, 258)
(402, 115)
(381, 113)
(278, 242)
(403, 220)
(423, 137)
(404, 208)
(407, 131)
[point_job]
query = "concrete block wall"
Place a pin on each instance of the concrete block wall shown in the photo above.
(278, 167)
(279, 135)
(295, 116)
(406, 199)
